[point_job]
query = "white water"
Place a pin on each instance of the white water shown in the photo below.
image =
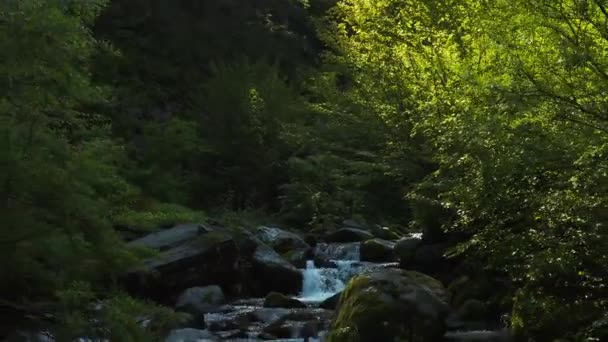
(322, 283)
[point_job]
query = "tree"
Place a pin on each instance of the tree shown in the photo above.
(508, 98)
(60, 183)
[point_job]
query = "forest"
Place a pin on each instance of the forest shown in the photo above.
(481, 124)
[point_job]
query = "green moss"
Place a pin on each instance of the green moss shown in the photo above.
(431, 283)
(364, 315)
(156, 216)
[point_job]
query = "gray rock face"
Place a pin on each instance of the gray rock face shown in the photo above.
(348, 235)
(188, 257)
(172, 237)
(280, 240)
(274, 273)
(200, 300)
(190, 335)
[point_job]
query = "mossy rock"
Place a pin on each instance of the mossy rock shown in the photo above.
(389, 305)
(377, 250)
(279, 300)
(297, 257)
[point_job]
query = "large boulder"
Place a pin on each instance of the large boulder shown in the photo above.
(281, 240)
(298, 257)
(279, 300)
(390, 305)
(377, 250)
(188, 256)
(200, 300)
(273, 273)
(348, 235)
(405, 250)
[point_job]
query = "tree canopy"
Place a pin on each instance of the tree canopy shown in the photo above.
(484, 120)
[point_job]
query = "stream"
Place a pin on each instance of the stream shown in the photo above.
(249, 317)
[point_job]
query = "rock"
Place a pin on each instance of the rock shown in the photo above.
(287, 329)
(377, 250)
(172, 237)
(198, 301)
(390, 305)
(430, 283)
(323, 261)
(472, 309)
(428, 255)
(352, 223)
(298, 257)
(310, 329)
(273, 273)
(28, 336)
(309, 314)
(405, 250)
(232, 335)
(231, 320)
(270, 315)
(202, 259)
(281, 240)
(385, 233)
(279, 300)
(311, 239)
(190, 335)
(331, 302)
(478, 336)
(348, 235)
(338, 251)
(599, 328)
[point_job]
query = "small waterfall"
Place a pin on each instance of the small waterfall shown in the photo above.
(320, 283)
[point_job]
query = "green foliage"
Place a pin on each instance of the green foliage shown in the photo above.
(60, 179)
(118, 317)
(486, 119)
(508, 98)
(156, 216)
(245, 105)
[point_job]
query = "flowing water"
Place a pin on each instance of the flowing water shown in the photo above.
(320, 283)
